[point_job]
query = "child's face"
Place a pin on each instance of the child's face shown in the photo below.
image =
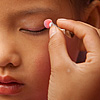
(28, 51)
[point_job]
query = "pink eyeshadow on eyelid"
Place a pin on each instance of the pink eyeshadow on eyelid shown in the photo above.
(34, 29)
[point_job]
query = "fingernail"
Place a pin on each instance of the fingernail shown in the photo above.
(62, 19)
(53, 31)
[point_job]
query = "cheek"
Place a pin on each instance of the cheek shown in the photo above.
(37, 62)
(41, 72)
(37, 68)
(42, 62)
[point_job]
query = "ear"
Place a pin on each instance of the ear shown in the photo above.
(92, 17)
(92, 14)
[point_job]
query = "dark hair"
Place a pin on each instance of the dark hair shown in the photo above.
(91, 0)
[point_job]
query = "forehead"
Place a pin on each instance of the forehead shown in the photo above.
(21, 4)
(13, 7)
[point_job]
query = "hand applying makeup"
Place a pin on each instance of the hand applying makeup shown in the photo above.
(69, 80)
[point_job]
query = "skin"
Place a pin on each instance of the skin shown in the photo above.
(27, 52)
(70, 80)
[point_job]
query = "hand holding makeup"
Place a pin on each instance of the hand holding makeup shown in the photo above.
(68, 80)
(48, 23)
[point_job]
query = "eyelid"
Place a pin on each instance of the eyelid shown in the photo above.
(32, 31)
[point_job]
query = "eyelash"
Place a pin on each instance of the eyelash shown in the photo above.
(32, 32)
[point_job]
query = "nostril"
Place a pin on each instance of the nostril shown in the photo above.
(10, 60)
(10, 65)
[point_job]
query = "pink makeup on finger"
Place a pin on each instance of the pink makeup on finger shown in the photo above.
(48, 23)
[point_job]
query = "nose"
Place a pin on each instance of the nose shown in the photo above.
(8, 53)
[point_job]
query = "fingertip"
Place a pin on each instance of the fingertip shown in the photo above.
(62, 19)
(53, 31)
(62, 22)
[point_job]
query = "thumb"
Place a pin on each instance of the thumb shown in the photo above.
(57, 47)
(60, 64)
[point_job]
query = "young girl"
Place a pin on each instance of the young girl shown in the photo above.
(37, 64)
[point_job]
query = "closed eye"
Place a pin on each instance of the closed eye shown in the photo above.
(32, 31)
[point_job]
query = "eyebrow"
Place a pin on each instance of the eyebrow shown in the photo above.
(33, 11)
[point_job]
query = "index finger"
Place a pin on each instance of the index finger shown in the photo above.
(88, 34)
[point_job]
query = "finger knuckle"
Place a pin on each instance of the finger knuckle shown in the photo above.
(92, 30)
